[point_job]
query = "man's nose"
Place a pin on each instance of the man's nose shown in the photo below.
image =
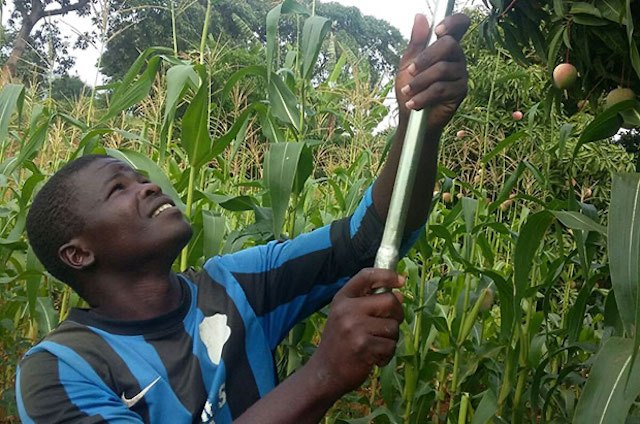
(149, 189)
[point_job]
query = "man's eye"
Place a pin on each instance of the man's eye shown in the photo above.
(116, 187)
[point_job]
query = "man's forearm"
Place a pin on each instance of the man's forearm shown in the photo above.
(424, 183)
(302, 398)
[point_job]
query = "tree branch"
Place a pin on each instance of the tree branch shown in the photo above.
(66, 9)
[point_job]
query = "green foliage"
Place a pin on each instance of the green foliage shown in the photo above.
(519, 287)
(599, 38)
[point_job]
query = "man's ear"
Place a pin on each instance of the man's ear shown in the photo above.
(76, 255)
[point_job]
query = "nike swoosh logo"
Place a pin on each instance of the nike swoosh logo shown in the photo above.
(130, 402)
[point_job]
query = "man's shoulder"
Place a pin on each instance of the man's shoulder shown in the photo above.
(66, 337)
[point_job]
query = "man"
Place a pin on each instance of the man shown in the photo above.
(159, 347)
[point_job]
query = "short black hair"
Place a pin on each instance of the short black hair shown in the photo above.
(52, 219)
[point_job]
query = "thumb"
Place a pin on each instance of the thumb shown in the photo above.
(369, 279)
(418, 41)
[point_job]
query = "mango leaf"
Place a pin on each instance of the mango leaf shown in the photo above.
(141, 162)
(633, 47)
(607, 124)
(554, 46)
(578, 221)
(585, 8)
(565, 133)
(280, 168)
(608, 394)
(213, 228)
(504, 144)
(284, 104)
(558, 8)
(195, 139)
(11, 96)
(313, 33)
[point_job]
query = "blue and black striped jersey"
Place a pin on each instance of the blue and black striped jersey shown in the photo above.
(211, 358)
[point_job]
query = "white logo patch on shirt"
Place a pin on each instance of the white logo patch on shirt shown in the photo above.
(208, 412)
(214, 333)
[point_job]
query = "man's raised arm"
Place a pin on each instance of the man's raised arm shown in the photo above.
(434, 77)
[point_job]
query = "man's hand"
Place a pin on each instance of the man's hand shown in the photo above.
(361, 331)
(436, 76)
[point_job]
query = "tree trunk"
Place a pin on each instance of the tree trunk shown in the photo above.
(19, 46)
(28, 22)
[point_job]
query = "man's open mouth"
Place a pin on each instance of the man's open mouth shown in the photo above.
(163, 207)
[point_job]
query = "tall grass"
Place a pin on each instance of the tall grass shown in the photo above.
(509, 299)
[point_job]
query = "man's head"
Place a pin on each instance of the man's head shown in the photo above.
(97, 215)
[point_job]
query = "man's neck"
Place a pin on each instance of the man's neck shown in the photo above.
(134, 297)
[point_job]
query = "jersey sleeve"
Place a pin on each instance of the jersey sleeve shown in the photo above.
(48, 390)
(284, 282)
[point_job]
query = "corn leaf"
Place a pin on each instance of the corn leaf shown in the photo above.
(273, 19)
(284, 104)
(486, 409)
(195, 139)
(129, 93)
(11, 96)
(528, 242)
(624, 251)
(313, 34)
(213, 229)
(179, 78)
(578, 221)
(280, 168)
(624, 245)
(607, 396)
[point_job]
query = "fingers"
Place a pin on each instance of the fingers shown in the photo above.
(381, 350)
(445, 49)
(369, 279)
(383, 305)
(418, 40)
(454, 25)
(383, 327)
(441, 71)
(439, 93)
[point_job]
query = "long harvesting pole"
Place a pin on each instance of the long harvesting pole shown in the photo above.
(387, 255)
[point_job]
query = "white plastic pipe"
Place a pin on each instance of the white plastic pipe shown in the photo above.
(388, 252)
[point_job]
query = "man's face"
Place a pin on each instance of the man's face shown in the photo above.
(128, 220)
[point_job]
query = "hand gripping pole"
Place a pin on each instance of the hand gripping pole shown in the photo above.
(387, 255)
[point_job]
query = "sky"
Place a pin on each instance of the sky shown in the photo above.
(399, 13)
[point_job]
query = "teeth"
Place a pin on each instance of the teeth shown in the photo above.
(161, 209)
